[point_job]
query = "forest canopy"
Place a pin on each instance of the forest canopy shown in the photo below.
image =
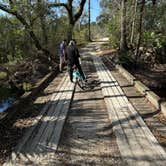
(31, 29)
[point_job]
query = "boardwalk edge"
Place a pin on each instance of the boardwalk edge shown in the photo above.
(25, 98)
(150, 95)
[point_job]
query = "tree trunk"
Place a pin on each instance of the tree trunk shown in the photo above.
(70, 31)
(44, 34)
(133, 22)
(89, 22)
(43, 23)
(139, 32)
(37, 43)
(123, 43)
(73, 18)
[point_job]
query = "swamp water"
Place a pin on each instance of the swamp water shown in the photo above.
(9, 96)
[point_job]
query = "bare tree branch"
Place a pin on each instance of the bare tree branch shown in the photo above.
(11, 2)
(14, 12)
(72, 17)
(51, 5)
(79, 13)
(27, 27)
(68, 7)
(4, 8)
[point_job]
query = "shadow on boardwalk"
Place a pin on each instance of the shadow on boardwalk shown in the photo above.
(88, 136)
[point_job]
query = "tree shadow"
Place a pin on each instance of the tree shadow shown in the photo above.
(43, 136)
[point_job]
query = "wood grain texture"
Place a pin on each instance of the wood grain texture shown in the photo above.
(136, 142)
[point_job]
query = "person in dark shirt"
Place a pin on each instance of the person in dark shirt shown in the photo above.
(73, 59)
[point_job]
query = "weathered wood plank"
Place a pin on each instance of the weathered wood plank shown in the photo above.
(142, 145)
(119, 132)
(54, 140)
(36, 147)
(32, 131)
(47, 146)
(139, 123)
(47, 121)
(131, 114)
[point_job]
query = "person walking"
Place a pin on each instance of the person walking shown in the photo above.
(62, 54)
(73, 59)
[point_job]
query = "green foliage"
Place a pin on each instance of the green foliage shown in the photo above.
(152, 39)
(114, 31)
(81, 35)
(13, 40)
(160, 41)
(159, 47)
(126, 60)
(3, 75)
(26, 86)
(99, 30)
(4, 92)
(157, 43)
(153, 35)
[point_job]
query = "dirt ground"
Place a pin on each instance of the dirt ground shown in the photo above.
(11, 130)
(153, 76)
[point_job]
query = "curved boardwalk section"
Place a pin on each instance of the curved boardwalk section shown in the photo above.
(137, 144)
(40, 142)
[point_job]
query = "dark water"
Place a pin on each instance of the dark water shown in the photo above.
(7, 97)
(6, 103)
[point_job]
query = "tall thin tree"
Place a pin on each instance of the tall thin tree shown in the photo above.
(42, 15)
(123, 42)
(133, 21)
(139, 31)
(89, 20)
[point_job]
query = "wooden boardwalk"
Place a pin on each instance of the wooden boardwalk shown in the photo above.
(88, 138)
(136, 143)
(40, 142)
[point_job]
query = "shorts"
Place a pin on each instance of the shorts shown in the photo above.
(62, 59)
